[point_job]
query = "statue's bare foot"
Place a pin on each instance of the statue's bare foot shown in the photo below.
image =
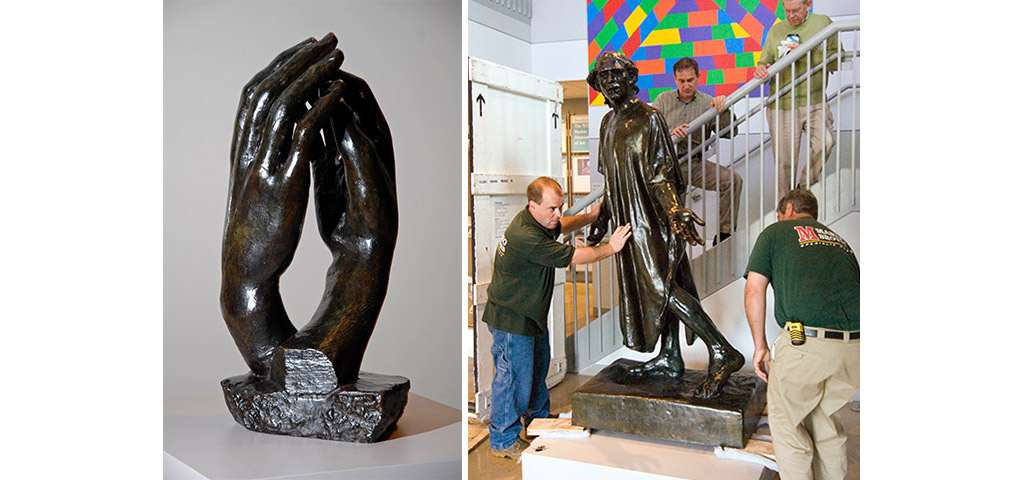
(662, 365)
(724, 361)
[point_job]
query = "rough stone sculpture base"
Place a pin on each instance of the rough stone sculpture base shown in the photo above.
(665, 408)
(303, 399)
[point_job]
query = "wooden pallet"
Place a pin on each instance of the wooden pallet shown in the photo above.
(477, 433)
(540, 426)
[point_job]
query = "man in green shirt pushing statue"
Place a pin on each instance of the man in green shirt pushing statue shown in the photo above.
(517, 307)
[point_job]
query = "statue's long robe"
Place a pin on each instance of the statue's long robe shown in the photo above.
(642, 176)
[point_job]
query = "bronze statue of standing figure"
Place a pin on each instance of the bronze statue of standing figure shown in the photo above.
(344, 145)
(643, 187)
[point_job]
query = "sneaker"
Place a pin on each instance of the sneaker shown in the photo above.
(513, 451)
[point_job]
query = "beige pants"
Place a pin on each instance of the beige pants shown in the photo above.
(807, 385)
(786, 128)
(714, 177)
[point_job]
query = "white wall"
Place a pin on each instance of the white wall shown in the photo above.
(409, 53)
(559, 20)
(559, 39)
(573, 63)
(836, 8)
(498, 38)
(552, 46)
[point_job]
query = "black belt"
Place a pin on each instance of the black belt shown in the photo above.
(833, 334)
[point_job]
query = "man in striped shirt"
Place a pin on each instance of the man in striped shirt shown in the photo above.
(680, 107)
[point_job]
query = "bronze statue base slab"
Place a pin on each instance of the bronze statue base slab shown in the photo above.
(364, 412)
(664, 407)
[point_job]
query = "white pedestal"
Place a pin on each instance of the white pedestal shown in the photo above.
(616, 456)
(202, 441)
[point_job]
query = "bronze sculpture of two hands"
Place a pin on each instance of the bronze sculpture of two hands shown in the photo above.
(344, 143)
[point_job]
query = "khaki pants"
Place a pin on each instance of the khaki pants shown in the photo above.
(713, 177)
(807, 385)
(786, 128)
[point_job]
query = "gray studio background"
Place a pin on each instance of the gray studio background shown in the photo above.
(409, 53)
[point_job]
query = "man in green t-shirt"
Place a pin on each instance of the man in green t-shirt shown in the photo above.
(517, 307)
(816, 280)
(804, 107)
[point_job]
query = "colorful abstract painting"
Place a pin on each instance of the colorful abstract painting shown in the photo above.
(723, 36)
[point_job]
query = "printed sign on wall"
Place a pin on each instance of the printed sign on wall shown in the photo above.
(580, 133)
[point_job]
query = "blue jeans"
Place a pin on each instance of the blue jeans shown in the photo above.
(518, 389)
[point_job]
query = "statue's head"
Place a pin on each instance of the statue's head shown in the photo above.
(614, 76)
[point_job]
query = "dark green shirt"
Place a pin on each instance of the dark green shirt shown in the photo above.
(524, 276)
(813, 272)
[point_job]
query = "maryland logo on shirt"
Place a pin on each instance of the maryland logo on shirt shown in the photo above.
(820, 236)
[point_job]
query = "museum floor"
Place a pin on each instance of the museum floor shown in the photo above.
(483, 466)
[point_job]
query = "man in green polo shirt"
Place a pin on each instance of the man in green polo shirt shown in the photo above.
(517, 307)
(816, 280)
(804, 107)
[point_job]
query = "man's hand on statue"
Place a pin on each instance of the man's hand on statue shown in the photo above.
(684, 225)
(680, 131)
(619, 237)
(762, 362)
(761, 71)
(718, 102)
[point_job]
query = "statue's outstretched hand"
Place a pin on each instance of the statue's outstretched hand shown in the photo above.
(683, 223)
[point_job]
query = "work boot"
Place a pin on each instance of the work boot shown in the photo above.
(513, 451)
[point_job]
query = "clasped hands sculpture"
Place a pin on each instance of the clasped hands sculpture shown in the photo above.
(345, 142)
